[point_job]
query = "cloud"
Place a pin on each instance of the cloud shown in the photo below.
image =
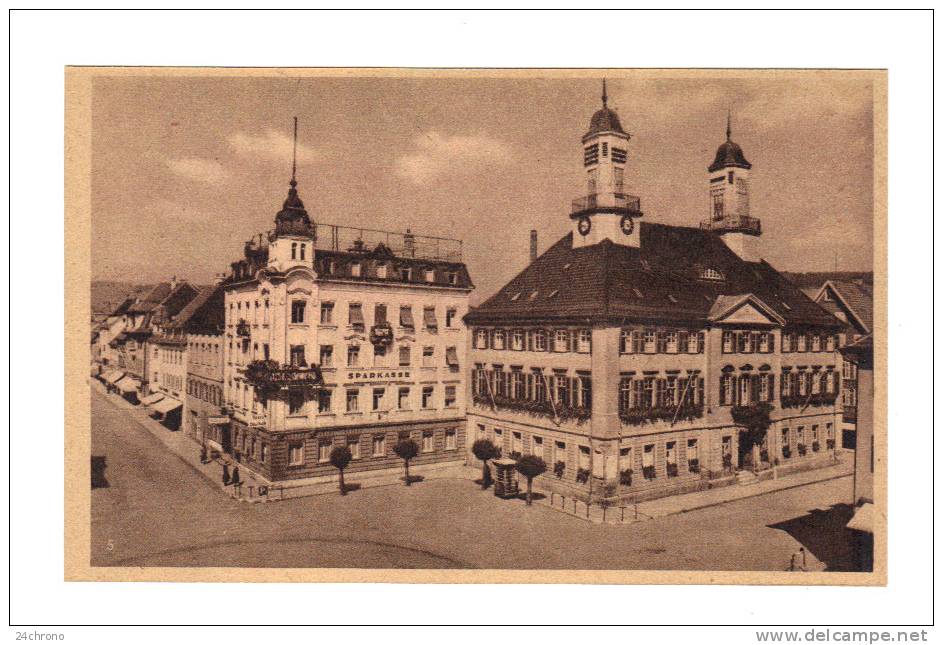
(271, 144)
(438, 154)
(205, 170)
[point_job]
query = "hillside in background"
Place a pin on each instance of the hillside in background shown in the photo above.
(107, 295)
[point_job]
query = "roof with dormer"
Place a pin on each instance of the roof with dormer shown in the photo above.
(662, 280)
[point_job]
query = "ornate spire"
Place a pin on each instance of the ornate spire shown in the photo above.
(294, 154)
(605, 98)
(728, 124)
(293, 218)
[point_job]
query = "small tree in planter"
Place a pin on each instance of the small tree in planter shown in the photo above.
(801, 448)
(530, 466)
(816, 446)
(648, 472)
(515, 455)
(625, 477)
(485, 450)
(340, 458)
(830, 444)
(406, 449)
(694, 465)
(582, 475)
(671, 470)
(559, 469)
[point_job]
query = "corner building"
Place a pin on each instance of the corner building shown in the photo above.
(623, 354)
(340, 336)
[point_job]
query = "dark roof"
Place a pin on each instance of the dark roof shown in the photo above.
(815, 279)
(152, 299)
(664, 280)
(205, 314)
(604, 120)
(729, 154)
(857, 299)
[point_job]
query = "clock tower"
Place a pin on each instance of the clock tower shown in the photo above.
(729, 200)
(606, 210)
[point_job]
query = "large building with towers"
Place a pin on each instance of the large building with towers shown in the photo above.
(635, 357)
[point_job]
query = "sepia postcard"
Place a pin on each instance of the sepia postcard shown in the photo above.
(504, 325)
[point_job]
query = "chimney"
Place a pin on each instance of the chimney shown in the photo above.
(533, 245)
(219, 279)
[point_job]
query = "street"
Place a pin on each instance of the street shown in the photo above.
(149, 508)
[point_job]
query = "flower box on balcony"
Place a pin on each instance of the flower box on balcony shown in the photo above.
(535, 408)
(801, 400)
(830, 444)
(243, 329)
(671, 470)
(625, 477)
(694, 466)
(582, 475)
(559, 469)
(801, 448)
(639, 416)
(648, 472)
(816, 446)
(269, 376)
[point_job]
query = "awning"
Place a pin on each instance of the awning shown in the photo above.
(113, 376)
(151, 399)
(217, 421)
(166, 405)
(863, 519)
(406, 318)
(128, 385)
(451, 357)
(428, 318)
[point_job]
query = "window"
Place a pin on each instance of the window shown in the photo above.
(298, 356)
(353, 356)
(830, 343)
(404, 357)
(355, 316)
(297, 311)
(327, 313)
(648, 461)
(765, 387)
(379, 356)
(692, 455)
(561, 340)
(296, 401)
(451, 437)
(584, 341)
(379, 314)
(650, 339)
(745, 394)
(427, 392)
(453, 280)
(355, 270)
(816, 343)
(584, 457)
(517, 442)
(727, 342)
(498, 339)
(263, 452)
(671, 342)
(481, 339)
(517, 340)
(324, 450)
(428, 356)
(378, 393)
(785, 441)
(379, 445)
(403, 398)
(559, 451)
(296, 453)
(430, 275)
(353, 400)
(764, 342)
(450, 314)
(451, 357)
(324, 401)
(353, 444)
(743, 342)
(406, 317)
(294, 250)
(407, 274)
(671, 458)
(726, 389)
(428, 317)
(381, 271)
(540, 341)
(450, 396)
(428, 441)
(327, 355)
(802, 343)
(537, 446)
(625, 342)
(789, 341)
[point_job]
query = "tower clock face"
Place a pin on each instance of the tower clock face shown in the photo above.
(627, 224)
(583, 226)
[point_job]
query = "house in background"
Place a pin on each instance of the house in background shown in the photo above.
(852, 302)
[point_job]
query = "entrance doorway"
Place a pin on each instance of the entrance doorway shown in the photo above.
(226, 438)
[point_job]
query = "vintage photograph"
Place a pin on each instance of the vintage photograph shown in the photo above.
(618, 322)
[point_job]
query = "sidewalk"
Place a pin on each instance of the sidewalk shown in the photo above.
(675, 504)
(188, 451)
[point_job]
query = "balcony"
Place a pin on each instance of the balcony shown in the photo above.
(535, 408)
(735, 224)
(242, 329)
(805, 400)
(269, 376)
(616, 202)
(850, 414)
(640, 416)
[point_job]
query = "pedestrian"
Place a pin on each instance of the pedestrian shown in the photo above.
(203, 456)
(226, 479)
(235, 476)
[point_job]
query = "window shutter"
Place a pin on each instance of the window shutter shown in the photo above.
(772, 342)
(700, 342)
(659, 393)
(723, 389)
(682, 342)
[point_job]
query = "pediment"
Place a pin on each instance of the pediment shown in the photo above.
(746, 309)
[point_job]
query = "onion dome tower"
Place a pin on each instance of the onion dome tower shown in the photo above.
(292, 241)
(606, 211)
(728, 186)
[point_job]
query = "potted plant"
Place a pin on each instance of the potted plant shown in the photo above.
(694, 465)
(671, 470)
(582, 475)
(648, 472)
(816, 446)
(406, 449)
(530, 466)
(559, 469)
(516, 455)
(340, 458)
(801, 448)
(830, 444)
(625, 477)
(484, 449)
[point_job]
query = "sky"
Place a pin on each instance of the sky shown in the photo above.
(186, 169)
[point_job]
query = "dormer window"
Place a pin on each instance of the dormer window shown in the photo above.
(533, 295)
(638, 294)
(453, 279)
(407, 274)
(711, 274)
(381, 271)
(430, 275)
(294, 250)
(516, 297)
(355, 269)
(553, 293)
(303, 247)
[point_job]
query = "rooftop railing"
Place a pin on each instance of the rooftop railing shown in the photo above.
(629, 203)
(332, 237)
(741, 223)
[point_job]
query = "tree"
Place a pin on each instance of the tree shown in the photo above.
(406, 449)
(340, 458)
(484, 449)
(530, 466)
